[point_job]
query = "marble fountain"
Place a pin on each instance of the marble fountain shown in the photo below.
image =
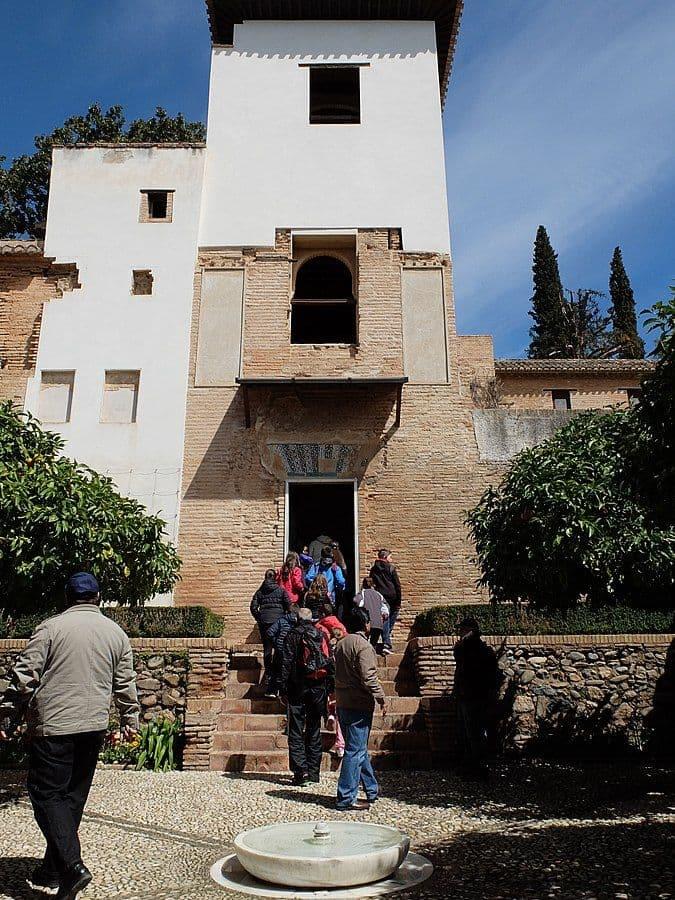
(337, 860)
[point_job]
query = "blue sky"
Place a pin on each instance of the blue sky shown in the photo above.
(560, 112)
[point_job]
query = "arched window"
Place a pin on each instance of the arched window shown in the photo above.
(324, 307)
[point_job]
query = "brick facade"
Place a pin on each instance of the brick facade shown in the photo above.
(27, 281)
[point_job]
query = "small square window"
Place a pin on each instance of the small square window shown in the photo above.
(142, 282)
(156, 206)
(120, 397)
(633, 395)
(334, 95)
(56, 397)
(561, 399)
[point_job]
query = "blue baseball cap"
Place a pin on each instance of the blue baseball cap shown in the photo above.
(82, 585)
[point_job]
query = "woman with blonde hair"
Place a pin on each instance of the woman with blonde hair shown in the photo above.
(317, 594)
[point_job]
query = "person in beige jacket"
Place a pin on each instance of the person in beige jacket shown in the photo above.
(357, 690)
(61, 686)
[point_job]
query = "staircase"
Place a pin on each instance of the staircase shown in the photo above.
(250, 733)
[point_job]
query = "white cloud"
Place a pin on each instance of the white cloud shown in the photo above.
(565, 118)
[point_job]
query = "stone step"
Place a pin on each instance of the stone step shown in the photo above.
(395, 705)
(259, 741)
(232, 721)
(276, 761)
(246, 690)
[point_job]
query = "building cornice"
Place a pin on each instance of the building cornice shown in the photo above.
(134, 145)
(446, 14)
(22, 248)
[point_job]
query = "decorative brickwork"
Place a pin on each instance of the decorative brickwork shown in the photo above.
(27, 281)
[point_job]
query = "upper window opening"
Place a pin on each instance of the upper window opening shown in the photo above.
(142, 282)
(561, 399)
(324, 308)
(156, 206)
(334, 95)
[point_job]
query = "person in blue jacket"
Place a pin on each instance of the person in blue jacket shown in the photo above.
(331, 572)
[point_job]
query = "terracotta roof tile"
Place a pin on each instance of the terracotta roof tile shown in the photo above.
(595, 366)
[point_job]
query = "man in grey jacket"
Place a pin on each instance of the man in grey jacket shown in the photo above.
(62, 685)
(357, 689)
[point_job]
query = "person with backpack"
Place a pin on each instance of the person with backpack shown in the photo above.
(291, 578)
(327, 567)
(334, 630)
(376, 607)
(306, 680)
(270, 602)
(386, 581)
(357, 690)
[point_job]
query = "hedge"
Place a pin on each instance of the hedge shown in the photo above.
(151, 621)
(442, 620)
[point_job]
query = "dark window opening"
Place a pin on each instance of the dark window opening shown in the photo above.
(158, 204)
(323, 509)
(142, 282)
(323, 308)
(561, 399)
(634, 395)
(334, 95)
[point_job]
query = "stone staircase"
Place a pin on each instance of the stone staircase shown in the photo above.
(250, 733)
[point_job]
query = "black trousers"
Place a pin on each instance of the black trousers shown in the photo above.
(305, 711)
(268, 654)
(472, 722)
(60, 772)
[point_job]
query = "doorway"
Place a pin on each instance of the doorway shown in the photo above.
(315, 508)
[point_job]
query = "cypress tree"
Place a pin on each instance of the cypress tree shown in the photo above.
(622, 311)
(548, 335)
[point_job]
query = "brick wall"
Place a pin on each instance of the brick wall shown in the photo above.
(27, 281)
(181, 677)
(533, 391)
(619, 686)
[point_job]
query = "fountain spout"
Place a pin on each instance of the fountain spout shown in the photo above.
(322, 833)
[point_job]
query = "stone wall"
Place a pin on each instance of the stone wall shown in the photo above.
(578, 687)
(176, 677)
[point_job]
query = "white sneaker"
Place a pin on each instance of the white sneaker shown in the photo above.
(387, 651)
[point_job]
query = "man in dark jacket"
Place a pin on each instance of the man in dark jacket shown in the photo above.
(270, 602)
(474, 691)
(385, 580)
(306, 696)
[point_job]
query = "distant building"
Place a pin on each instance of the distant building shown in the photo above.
(256, 337)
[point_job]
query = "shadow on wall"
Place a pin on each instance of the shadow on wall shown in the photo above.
(660, 722)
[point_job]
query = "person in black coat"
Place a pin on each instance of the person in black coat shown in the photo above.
(475, 689)
(386, 581)
(270, 602)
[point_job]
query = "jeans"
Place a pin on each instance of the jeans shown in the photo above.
(356, 766)
(388, 628)
(305, 711)
(60, 772)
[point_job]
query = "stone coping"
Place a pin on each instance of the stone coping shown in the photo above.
(551, 640)
(145, 643)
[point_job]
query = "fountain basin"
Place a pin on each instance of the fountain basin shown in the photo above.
(301, 855)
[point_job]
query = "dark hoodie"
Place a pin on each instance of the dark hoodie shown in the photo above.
(385, 580)
(269, 603)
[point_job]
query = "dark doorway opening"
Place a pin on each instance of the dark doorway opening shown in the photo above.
(316, 509)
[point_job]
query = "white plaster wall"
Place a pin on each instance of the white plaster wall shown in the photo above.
(267, 167)
(93, 221)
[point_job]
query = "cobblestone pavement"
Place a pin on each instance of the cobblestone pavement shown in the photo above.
(538, 830)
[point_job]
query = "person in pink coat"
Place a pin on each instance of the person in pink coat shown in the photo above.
(291, 578)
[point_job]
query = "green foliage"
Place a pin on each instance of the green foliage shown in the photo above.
(657, 411)
(24, 185)
(622, 311)
(549, 333)
(514, 620)
(58, 517)
(569, 522)
(168, 621)
(586, 327)
(117, 751)
(159, 745)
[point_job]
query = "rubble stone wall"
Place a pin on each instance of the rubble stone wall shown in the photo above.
(616, 683)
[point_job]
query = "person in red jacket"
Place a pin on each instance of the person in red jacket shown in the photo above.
(329, 623)
(290, 577)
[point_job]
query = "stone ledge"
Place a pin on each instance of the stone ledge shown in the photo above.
(145, 644)
(551, 640)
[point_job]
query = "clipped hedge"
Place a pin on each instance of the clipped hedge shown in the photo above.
(151, 621)
(442, 620)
